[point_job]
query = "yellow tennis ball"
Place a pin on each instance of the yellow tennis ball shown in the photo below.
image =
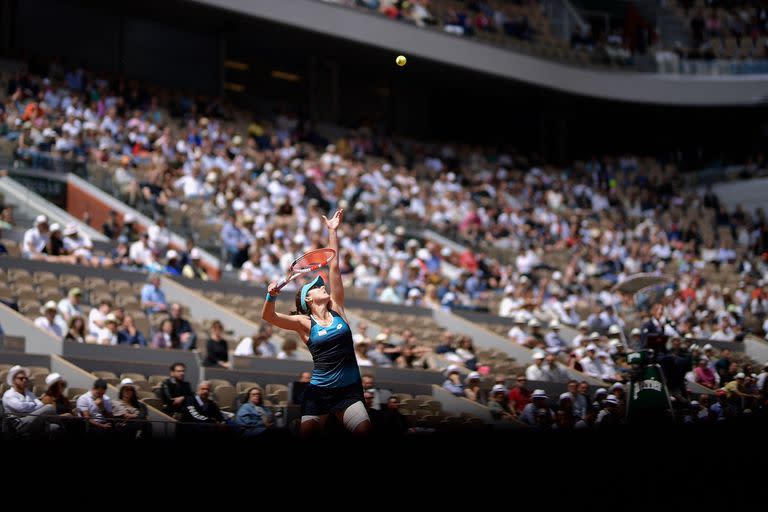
(400, 60)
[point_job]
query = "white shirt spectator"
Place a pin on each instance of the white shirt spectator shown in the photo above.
(86, 403)
(34, 242)
(140, 253)
(67, 309)
(589, 367)
(106, 337)
(15, 402)
(534, 372)
(159, 238)
(94, 316)
(56, 328)
(517, 334)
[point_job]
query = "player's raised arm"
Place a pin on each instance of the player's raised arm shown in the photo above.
(337, 288)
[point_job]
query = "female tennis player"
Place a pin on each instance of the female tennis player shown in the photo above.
(321, 323)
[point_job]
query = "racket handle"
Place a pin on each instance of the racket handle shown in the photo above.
(283, 281)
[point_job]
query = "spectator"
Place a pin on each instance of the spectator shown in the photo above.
(130, 335)
(164, 338)
(54, 395)
(500, 411)
(96, 407)
(387, 421)
(152, 297)
(76, 332)
(140, 253)
(193, 270)
(70, 306)
(704, 374)
(201, 411)
(97, 317)
(50, 321)
(535, 372)
(172, 267)
(369, 384)
(289, 350)
(453, 383)
(182, 329)
(538, 402)
(520, 395)
(609, 416)
(217, 351)
(174, 390)
(253, 416)
(27, 414)
(108, 335)
(473, 391)
(255, 345)
(361, 352)
(35, 239)
(128, 408)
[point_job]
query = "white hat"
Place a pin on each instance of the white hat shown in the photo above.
(740, 375)
(13, 371)
(617, 385)
(592, 347)
(48, 306)
(195, 254)
(125, 382)
(414, 292)
(358, 338)
(110, 318)
(635, 331)
(498, 388)
(382, 336)
(171, 254)
(565, 396)
(412, 243)
(423, 254)
(594, 336)
(557, 275)
(695, 403)
(614, 329)
(538, 355)
(533, 322)
(583, 325)
(71, 229)
(520, 318)
(452, 368)
(445, 252)
(399, 230)
(708, 347)
(601, 391)
(211, 177)
(614, 343)
(554, 324)
(55, 227)
(473, 376)
(41, 219)
(611, 399)
(539, 393)
(52, 379)
(579, 352)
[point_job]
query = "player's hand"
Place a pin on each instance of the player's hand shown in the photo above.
(271, 289)
(333, 224)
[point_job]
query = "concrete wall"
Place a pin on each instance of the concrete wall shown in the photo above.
(128, 356)
(756, 349)
(37, 341)
(457, 405)
(370, 29)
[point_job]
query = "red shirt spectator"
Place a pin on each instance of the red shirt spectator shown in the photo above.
(520, 395)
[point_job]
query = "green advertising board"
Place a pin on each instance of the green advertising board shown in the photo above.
(648, 397)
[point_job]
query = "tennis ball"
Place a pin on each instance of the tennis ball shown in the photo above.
(400, 60)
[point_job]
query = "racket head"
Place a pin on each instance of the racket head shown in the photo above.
(313, 260)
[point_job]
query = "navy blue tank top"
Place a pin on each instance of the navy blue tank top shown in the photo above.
(333, 353)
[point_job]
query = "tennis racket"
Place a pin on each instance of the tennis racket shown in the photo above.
(307, 262)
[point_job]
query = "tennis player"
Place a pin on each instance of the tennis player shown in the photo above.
(320, 321)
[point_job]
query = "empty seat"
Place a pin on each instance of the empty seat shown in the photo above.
(215, 383)
(105, 375)
(153, 402)
(245, 385)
